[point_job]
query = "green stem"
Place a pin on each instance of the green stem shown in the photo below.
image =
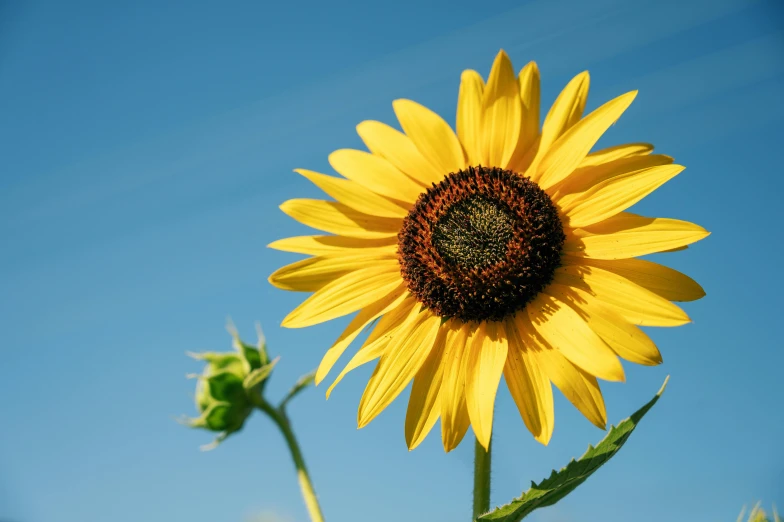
(278, 416)
(481, 479)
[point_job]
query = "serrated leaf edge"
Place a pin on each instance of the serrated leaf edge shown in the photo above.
(511, 517)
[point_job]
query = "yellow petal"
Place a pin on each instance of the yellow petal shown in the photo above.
(400, 151)
(454, 414)
(567, 332)
(565, 112)
(616, 194)
(524, 163)
(628, 235)
(404, 357)
(371, 312)
(423, 405)
(393, 323)
(659, 279)
(573, 188)
(579, 387)
(376, 174)
(501, 113)
(354, 195)
(345, 295)
(469, 115)
(615, 153)
(573, 146)
(632, 302)
(485, 365)
(310, 275)
(431, 135)
(529, 118)
(320, 245)
(340, 219)
(625, 339)
(679, 249)
(528, 383)
(398, 321)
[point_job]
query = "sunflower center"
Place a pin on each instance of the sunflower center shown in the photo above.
(480, 245)
(474, 232)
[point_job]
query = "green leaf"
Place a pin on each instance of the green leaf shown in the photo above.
(301, 384)
(563, 482)
(258, 376)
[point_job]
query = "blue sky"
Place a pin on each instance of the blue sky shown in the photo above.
(146, 149)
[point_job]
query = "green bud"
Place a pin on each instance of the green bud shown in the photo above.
(227, 386)
(222, 402)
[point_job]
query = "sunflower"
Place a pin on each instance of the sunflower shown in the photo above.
(500, 250)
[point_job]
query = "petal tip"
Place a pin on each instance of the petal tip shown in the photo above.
(532, 65)
(289, 322)
(332, 156)
(482, 438)
(329, 393)
(448, 447)
(543, 438)
(600, 422)
(401, 103)
(468, 74)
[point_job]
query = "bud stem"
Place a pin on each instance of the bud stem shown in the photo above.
(481, 479)
(278, 416)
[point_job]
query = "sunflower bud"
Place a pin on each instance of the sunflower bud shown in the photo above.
(228, 386)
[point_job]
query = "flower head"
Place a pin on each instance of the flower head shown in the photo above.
(503, 249)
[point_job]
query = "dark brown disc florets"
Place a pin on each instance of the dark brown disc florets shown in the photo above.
(480, 245)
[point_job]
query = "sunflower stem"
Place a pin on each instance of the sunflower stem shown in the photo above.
(481, 479)
(281, 420)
